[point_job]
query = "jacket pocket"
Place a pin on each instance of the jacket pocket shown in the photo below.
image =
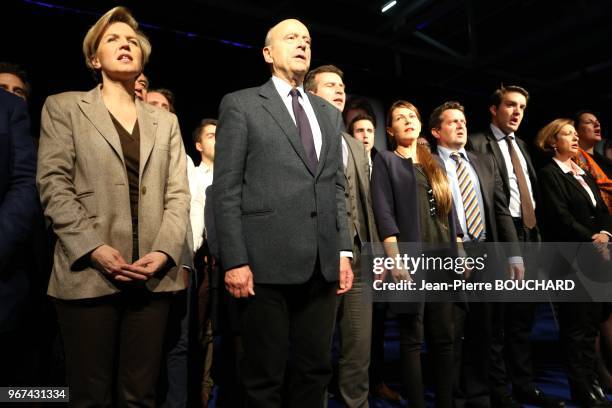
(257, 213)
(88, 201)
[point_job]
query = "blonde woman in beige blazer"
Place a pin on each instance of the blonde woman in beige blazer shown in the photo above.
(113, 182)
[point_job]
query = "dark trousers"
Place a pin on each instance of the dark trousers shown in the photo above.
(225, 317)
(511, 346)
(292, 323)
(436, 324)
(472, 337)
(113, 347)
(512, 324)
(204, 337)
(579, 326)
(377, 349)
(15, 355)
(355, 328)
(179, 346)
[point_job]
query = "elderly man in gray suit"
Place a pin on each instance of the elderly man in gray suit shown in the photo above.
(278, 195)
(355, 307)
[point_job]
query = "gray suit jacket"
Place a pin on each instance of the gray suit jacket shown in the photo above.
(357, 151)
(271, 211)
(84, 191)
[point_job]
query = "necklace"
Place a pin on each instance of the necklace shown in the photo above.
(406, 157)
(401, 155)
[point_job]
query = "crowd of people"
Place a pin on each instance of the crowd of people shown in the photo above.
(262, 243)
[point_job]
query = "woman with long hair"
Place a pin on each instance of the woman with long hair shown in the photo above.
(113, 182)
(412, 203)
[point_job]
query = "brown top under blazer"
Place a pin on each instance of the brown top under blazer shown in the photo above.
(83, 187)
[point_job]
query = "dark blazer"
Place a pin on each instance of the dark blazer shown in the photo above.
(395, 199)
(568, 213)
(209, 223)
(394, 194)
(499, 223)
(485, 143)
(19, 207)
(271, 211)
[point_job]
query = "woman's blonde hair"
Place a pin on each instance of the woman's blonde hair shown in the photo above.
(94, 35)
(435, 174)
(547, 136)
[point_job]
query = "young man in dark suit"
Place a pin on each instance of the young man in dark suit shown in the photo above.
(280, 213)
(513, 322)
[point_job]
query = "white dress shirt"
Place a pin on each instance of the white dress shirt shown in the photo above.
(515, 196)
(200, 178)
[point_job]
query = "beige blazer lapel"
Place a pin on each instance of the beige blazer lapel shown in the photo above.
(92, 106)
(147, 122)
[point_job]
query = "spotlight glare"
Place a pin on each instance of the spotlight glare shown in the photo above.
(387, 6)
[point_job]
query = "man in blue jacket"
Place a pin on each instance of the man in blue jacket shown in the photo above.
(19, 209)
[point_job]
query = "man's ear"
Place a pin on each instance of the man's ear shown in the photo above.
(267, 54)
(493, 110)
(198, 147)
(435, 133)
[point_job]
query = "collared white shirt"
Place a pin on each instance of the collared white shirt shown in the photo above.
(451, 172)
(515, 195)
(283, 88)
(344, 153)
(200, 178)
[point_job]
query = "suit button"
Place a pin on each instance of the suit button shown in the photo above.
(313, 214)
(348, 213)
(144, 190)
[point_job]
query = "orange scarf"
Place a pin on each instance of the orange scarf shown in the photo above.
(585, 161)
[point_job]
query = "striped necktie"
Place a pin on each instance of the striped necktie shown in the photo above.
(473, 218)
